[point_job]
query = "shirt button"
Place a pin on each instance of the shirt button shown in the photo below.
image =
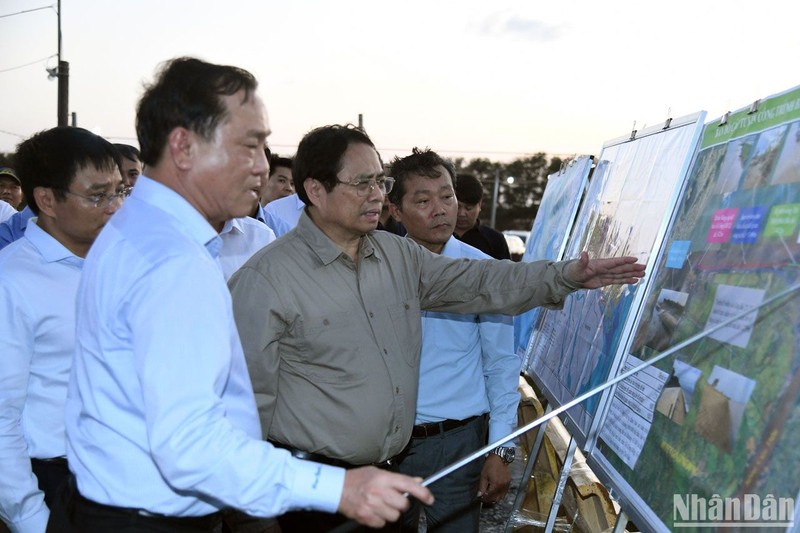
(396, 429)
(397, 390)
(326, 322)
(385, 351)
(408, 307)
(371, 314)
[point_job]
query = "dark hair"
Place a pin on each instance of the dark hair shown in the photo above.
(53, 157)
(128, 152)
(468, 189)
(187, 94)
(319, 155)
(419, 163)
(277, 161)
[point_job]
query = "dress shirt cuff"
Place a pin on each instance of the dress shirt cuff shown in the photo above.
(35, 523)
(318, 487)
(498, 431)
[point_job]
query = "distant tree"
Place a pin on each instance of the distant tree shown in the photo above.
(519, 201)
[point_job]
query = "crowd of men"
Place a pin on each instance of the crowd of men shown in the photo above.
(337, 367)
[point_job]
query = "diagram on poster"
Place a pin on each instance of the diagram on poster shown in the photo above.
(550, 230)
(726, 420)
(628, 201)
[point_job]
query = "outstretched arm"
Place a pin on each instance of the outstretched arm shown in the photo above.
(596, 273)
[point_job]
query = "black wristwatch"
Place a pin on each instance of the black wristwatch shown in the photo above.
(506, 454)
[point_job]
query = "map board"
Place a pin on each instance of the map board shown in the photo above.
(721, 418)
(630, 198)
(550, 230)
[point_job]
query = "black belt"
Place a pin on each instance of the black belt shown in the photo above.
(318, 458)
(140, 516)
(435, 428)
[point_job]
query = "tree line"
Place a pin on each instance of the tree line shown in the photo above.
(517, 202)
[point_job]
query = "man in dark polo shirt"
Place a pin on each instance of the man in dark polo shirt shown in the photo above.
(469, 229)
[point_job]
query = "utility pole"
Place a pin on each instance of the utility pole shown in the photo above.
(63, 79)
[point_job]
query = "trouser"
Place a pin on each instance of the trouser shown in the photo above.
(316, 521)
(457, 508)
(234, 521)
(88, 516)
(51, 475)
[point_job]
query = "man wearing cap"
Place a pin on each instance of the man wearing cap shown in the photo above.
(10, 193)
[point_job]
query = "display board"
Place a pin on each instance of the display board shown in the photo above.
(550, 231)
(716, 427)
(625, 212)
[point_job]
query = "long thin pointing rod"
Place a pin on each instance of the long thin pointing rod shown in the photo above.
(572, 403)
(351, 525)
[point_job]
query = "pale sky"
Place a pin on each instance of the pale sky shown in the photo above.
(467, 78)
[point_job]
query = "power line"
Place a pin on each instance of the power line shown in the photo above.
(11, 133)
(27, 11)
(28, 64)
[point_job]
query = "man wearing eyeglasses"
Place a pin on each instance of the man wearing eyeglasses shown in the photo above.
(329, 315)
(73, 185)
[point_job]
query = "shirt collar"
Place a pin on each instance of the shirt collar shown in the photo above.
(232, 225)
(166, 199)
(261, 215)
(50, 249)
(451, 247)
(326, 250)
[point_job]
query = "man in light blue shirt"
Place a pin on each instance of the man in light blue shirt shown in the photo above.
(282, 214)
(71, 179)
(13, 227)
(162, 427)
(468, 368)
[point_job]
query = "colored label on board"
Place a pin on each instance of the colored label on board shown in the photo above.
(748, 226)
(722, 225)
(782, 220)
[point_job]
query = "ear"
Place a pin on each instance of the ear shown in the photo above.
(396, 213)
(314, 190)
(181, 144)
(480, 204)
(45, 199)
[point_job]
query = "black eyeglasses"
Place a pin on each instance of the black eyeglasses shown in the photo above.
(365, 186)
(102, 199)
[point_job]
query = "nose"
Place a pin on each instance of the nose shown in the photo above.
(375, 192)
(438, 207)
(261, 165)
(114, 205)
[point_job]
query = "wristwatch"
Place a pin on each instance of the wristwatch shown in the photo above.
(505, 454)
